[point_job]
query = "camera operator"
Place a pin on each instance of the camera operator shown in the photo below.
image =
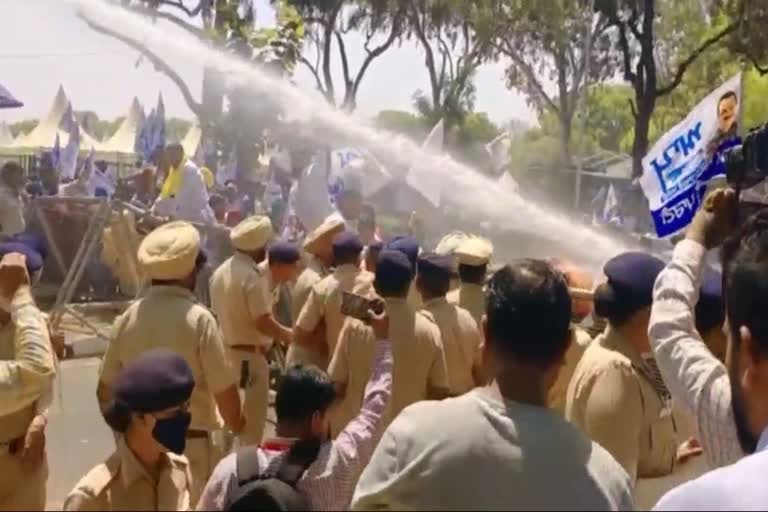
(695, 377)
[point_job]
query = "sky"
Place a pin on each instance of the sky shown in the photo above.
(44, 44)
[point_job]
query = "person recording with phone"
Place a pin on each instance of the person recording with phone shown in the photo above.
(303, 403)
(694, 375)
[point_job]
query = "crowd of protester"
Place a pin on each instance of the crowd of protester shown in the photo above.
(416, 377)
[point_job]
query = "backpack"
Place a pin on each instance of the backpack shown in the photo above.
(273, 491)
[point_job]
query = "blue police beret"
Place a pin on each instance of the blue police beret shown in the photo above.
(407, 245)
(35, 242)
(34, 260)
(632, 276)
(435, 265)
(393, 265)
(283, 251)
(710, 310)
(159, 379)
(347, 242)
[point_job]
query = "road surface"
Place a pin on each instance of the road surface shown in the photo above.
(77, 437)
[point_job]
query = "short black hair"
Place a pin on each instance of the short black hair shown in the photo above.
(345, 256)
(473, 274)
(727, 95)
(303, 391)
(745, 264)
(436, 284)
(529, 312)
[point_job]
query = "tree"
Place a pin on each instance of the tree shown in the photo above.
(455, 45)
(329, 22)
(636, 28)
(552, 41)
(228, 25)
(608, 119)
(21, 127)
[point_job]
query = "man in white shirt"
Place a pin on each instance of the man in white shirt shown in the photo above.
(735, 396)
(188, 199)
(500, 447)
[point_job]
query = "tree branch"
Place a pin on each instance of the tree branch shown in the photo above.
(313, 70)
(758, 67)
(329, 28)
(195, 31)
(692, 58)
(344, 59)
(160, 64)
(374, 54)
(530, 74)
(179, 4)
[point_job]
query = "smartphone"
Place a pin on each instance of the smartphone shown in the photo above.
(355, 306)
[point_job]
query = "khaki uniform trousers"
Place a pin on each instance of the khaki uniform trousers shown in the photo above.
(203, 456)
(20, 490)
(256, 392)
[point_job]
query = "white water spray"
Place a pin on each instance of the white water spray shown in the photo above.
(478, 196)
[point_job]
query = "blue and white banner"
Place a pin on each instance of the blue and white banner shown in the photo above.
(677, 169)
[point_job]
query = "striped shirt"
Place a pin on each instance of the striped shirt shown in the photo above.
(695, 377)
(330, 481)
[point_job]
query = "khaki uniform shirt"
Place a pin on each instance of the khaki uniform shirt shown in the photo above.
(324, 301)
(558, 393)
(27, 365)
(122, 483)
(616, 405)
(309, 277)
(418, 357)
(169, 317)
(11, 212)
(461, 343)
(470, 297)
(240, 295)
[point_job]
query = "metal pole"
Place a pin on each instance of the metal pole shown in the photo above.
(582, 103)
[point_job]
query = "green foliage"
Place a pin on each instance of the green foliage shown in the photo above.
(404, 123)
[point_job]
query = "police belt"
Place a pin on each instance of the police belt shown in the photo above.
(251, 349)
(197, 434)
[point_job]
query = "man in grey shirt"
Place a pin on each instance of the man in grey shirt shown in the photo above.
(500, 447)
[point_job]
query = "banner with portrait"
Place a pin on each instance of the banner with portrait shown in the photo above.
(679, 166)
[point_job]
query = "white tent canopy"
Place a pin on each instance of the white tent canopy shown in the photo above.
(44, 134)
(124, 139)
(6, 137)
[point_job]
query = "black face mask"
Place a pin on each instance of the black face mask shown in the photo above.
(172, 432)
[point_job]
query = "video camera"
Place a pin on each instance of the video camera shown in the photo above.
(746, 166)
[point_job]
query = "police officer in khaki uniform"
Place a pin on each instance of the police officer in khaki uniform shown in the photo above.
(150, 411)
(168, 316)
(409, 246)
(420, 370)
(458, 330)
(319, 247)
(473, 254)
(324, 302)
(243, 293)
(616, 395)
(27, 369)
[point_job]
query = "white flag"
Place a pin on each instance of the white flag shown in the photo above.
(498, 150)
(428, 182)
(68, 156)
